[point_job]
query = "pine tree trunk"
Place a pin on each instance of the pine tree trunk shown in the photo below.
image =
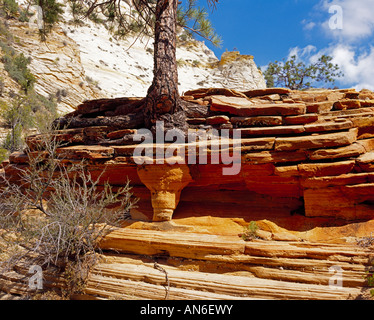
(163, 102)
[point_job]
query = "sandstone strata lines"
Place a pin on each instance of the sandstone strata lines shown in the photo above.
(306, 178)
(298, 135)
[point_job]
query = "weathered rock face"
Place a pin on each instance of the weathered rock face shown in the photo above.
(87, 62)
(203, 258)
(236, 71)
(56, 64)
(306, 177)
(302, 155)
(124, 67)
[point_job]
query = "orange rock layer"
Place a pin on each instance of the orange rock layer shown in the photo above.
(203, 258)
(306, 177)
(303, 155)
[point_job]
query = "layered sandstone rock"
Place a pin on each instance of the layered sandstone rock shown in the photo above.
(204, 258)
(238, 71)
(56, 64)
(306, 177)
(165, 183)
(308, 152)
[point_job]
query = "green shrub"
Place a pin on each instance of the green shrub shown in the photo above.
(71, 212)
(370, 279)
(250, 232)
(3, 154)
(17, 117)
(38, 103)
(52, 14)
(14, 140)
(10, 8)
(17, 67)
(7, 50)
(24, 113)
(24, 15)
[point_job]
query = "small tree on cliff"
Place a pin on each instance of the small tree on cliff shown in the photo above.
(296, 75)
(159, 18)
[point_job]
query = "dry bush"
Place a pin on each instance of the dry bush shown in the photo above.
(55, 214)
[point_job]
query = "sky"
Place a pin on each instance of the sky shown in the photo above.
(275, 29)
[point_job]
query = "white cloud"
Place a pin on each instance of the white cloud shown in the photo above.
(308, 25)
(302, 53)
(357, 68)
(352, 47)
(358, 19)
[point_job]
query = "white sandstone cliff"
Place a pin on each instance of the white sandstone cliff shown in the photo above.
(86, 62)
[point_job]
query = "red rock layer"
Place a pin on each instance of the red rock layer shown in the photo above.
(309, 153)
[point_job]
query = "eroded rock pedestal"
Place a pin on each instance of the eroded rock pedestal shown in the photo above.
(165, 183)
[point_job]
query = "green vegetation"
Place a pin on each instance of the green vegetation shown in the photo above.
(250, 232)
(296, 75)
(16, 64)
(3, 154)
(17, 67)
(20, 111)
(16, 117)
(60, 228)
(52, 14)
(10, 7)
(370, 279)
(10, 10)
(24, 113)
(195, 21)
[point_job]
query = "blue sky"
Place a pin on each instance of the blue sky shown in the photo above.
(272, 30)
